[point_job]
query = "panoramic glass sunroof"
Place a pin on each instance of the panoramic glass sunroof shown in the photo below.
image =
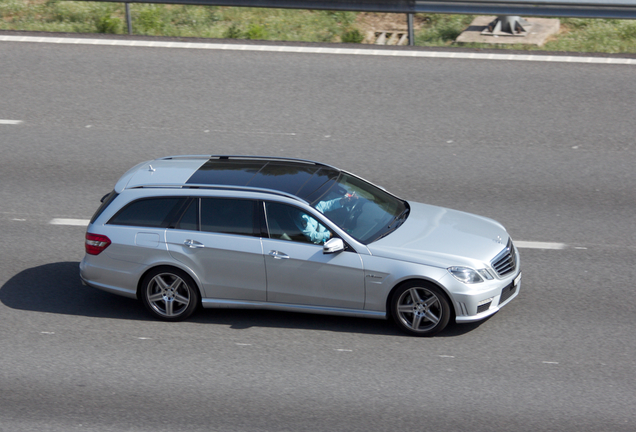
(295, 178)
(226, 172)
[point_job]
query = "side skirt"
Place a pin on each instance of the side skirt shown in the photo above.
(325, 310)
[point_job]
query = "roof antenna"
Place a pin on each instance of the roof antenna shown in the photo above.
(151, 169)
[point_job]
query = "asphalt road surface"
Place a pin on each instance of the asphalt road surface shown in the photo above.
(547, 149)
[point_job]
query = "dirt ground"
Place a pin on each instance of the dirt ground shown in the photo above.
(371, 23)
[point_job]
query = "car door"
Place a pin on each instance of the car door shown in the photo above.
(219, 239)
(298, 272)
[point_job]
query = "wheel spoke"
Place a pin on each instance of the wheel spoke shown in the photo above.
(169, 306)
(431, 317)
(417, 319)
(432, 300)
(414, 295)
(161, 283)
(176, 283)
(155, 297)
(405, 308)
(181, 299)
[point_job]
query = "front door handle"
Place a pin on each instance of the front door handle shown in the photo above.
(278, 255)
(193, 244)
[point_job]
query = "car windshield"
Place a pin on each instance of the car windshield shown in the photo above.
(366, 213)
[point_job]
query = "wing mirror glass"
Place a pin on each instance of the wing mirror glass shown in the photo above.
(333, 245)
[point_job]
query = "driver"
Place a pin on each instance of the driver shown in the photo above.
(315, 231)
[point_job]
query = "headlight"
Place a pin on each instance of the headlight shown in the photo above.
(470, 276)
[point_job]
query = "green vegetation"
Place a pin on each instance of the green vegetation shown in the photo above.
(441, 30)
(352, 36)
(578, 35)
(601, 35)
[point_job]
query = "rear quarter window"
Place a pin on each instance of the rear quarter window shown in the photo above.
(149, 212)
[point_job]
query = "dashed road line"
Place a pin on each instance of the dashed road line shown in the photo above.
(539, 245)
(322, 50)
(10, 122)
(69, 222)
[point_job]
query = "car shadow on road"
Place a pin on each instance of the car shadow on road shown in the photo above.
(241, 319)
(56, 288)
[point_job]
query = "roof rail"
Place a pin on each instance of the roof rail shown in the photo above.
(219, 187)
(263, 158)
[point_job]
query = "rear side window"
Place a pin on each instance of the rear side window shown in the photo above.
(229, 216)
(149, 212)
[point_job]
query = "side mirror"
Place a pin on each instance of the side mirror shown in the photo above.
(333, 245)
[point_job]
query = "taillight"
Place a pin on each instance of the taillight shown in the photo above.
(96, 243)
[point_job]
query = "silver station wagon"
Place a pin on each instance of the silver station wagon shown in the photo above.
(293, 235)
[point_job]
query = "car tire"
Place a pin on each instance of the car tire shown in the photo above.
(420, 309)
(169, 294)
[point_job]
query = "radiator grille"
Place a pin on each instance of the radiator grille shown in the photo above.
(506, 262)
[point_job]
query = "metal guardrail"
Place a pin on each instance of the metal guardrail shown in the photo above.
(620, 9)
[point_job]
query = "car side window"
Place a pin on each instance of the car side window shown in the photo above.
(149, 212)
(190, 219)
(229, 216)
(286, 222)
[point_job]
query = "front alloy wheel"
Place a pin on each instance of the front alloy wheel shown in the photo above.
(420, 309)
(169, 294)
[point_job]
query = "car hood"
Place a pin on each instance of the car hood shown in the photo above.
(443, 237)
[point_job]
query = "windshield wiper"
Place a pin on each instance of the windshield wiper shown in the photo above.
(400, 216)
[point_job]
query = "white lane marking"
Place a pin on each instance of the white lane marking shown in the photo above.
(243, 344)
(550, 362)
(46, 332)
(144, 338)
(10, 122)
(318, 50)
(69, 222)
(539, 245)
(343, 350)
(243, 132)
(18, 220)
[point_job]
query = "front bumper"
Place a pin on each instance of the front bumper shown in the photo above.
(476, 307)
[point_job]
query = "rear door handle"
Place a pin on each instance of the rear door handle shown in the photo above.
(278, 255)
(193, 244)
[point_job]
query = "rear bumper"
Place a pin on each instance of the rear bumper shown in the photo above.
(92, 275)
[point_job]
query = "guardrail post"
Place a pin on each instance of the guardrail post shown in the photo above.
(128, 18)
(411, 32)
(506, 25)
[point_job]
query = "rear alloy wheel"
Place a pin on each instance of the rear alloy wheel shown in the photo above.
(169, 294)
(420, 309)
